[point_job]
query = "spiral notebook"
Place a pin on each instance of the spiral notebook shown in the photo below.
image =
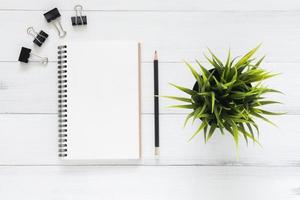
(99, 100)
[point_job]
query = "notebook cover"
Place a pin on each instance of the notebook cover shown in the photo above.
(103, 101)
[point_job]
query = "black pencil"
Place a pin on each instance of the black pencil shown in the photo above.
(156, 105)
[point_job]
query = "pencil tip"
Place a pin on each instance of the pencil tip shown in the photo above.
(157, 151)
(155, 55)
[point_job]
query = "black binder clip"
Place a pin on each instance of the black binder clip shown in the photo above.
(26, 53)
(78, 19)
(54, 17)
(39, 38)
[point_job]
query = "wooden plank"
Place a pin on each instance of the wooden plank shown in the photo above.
(28, 88)
(173, 5)
(211, 183)
(32, 140)
(186, 36)
(33, 88)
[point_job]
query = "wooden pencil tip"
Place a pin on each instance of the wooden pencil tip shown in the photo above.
(155, 55)
(157, 151)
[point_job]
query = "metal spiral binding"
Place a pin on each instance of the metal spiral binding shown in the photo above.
(62, 101)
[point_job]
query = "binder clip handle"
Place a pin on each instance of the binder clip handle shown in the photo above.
(61, 32)
(31, 31)
(43, 60)
(78, 9)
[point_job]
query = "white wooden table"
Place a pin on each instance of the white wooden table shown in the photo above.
(29, 166)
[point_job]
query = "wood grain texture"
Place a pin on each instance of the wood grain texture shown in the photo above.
(32, 140)
(186, 36)
(157, 5)
(110, 183)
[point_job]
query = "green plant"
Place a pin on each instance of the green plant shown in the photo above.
(228, 96)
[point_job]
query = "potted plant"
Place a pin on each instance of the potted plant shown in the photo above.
(228, 96)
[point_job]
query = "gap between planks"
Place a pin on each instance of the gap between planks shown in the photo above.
(173, 114)
(167, 62)
(157, 165)
(157, 11)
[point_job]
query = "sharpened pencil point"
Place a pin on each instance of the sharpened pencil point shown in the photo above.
(155, 55)
(157, 152)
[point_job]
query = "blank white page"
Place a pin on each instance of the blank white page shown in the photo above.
(103, 100)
